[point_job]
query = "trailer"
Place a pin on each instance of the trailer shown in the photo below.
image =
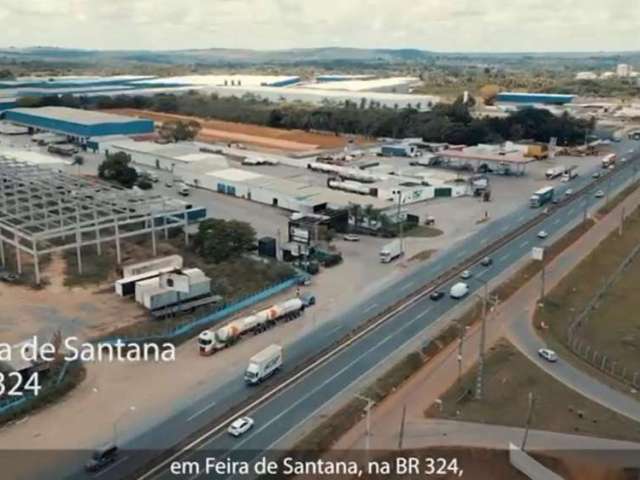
(212, 340)
(609, 160)
(127, 286)
(391, 251)
(570, 173)
(542, 196)
(554, 172)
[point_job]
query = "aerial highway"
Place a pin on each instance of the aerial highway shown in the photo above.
(278, 416)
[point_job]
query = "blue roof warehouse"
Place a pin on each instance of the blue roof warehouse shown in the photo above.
(533, 98)
(78, 124)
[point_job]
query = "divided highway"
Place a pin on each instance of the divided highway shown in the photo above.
(283, 413)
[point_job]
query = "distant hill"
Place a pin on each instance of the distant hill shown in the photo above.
(220, 55)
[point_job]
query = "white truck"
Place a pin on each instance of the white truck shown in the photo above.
(210, 341)
(263, 364)
(609, 160)
(459, 290)
(391, 251)
(555, 172)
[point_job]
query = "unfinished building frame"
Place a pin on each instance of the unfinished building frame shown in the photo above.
(43, 211)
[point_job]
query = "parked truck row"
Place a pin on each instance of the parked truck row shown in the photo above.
(212, 340)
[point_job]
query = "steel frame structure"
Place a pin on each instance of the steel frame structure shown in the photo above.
(44, 211)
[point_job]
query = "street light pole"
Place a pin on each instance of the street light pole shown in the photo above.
(532, 401)
(460, 343)
(370, 403)
(483, 333)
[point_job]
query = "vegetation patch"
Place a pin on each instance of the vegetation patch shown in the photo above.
(509, 379)
(424, 231)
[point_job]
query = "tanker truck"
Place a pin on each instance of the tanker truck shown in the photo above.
(212, 340)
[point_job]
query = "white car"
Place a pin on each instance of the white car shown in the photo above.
(548, 355)
(351, 238)
(240, 426)
(542, 234)
(465, 275)
(568, 192)
(599, 194)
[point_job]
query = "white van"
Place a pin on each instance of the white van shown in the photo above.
(459, 290)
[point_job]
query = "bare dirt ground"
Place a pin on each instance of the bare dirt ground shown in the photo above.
(83, 312)
(212, 130)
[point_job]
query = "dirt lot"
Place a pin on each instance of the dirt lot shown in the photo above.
(611, 329)
(509, 378)
(275, 138)
(76, 311)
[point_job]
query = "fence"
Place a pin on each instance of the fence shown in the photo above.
(9, 404)
(211, 318)
(588, 352)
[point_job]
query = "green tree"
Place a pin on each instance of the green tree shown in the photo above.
(180, 131)
(218, 240)
(115, 168)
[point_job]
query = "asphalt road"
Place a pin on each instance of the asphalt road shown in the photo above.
(289, 410)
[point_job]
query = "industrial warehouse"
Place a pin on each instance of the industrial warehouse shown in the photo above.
(78, 125)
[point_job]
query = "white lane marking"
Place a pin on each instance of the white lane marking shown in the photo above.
(424, 313)
(201, 411)
(461, 253)
(323, 384)
(504, 257)
(505, 228)
(556, 221)
(524, 244)
(571, 210)
(370, 307)
(111, 466)
(332, 331)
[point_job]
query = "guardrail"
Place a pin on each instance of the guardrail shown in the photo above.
(223, 420)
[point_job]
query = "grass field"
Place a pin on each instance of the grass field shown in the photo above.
(509, 378)
(424, 231)
(613, 328)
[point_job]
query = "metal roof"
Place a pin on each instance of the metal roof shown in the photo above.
(75, 115)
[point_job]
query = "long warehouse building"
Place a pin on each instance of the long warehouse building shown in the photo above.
(78, 124)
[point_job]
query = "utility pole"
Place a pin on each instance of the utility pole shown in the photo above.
(398, 193)
(402, 421)
(460, 343)
(532, 401)
(370, 403)
(483, 334)
(621, 222)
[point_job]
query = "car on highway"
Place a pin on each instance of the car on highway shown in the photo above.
(599, 194)
(101, 458)
(436, 295)
(350, 237)
(568, 192)
(168, 183)
(596, 175)
(548, 354)
(486, 261)
(240, 426)
(465, 275)
(543, 234)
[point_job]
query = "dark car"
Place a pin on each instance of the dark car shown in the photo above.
(101, 458)
(436, 295)
(486, 261)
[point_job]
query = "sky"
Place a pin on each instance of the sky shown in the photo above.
(437, 25)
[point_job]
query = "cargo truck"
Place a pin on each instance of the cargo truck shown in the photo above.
(542, 196)
(210, 341)
(391, 251)
(609, 160)
(263, 364)
(554, 172)
(570, 173)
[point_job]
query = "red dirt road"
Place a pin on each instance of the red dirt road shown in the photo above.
(273, 138)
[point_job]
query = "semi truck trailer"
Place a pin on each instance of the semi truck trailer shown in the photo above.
(391, 251)
(263, 364)
(212, 340)
(542, 196)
